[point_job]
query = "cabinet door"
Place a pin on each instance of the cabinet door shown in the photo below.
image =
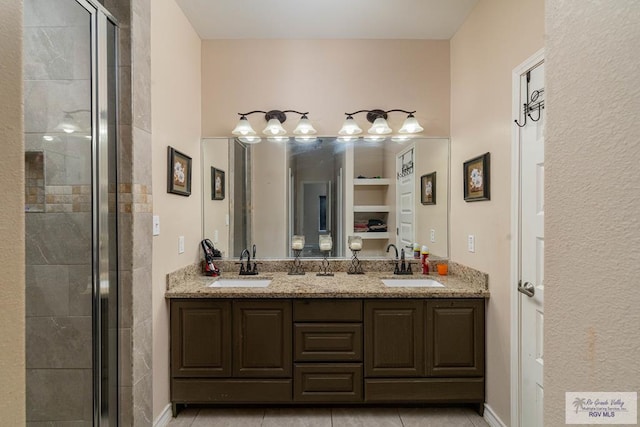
(262, 333)
(200, 338)
(455, 343)
(394, 344)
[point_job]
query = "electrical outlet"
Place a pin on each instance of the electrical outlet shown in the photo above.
(433, 235)
(156, 225)
(471, 243)
(181, 244)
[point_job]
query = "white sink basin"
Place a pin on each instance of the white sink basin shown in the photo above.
(412, 283)
(240, 283)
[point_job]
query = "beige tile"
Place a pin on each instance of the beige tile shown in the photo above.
(297, 417)
(365, 417)
(229, 417)
(185, 418)
(435, 417)
(476, 419)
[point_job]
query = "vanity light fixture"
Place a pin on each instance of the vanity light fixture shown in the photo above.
(379, 126)
(274, 119)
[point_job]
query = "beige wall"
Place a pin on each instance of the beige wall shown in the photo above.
(12, 284)
(326, 78)
(432, 156)
(496, 37)
(175, 104)
(592, 224)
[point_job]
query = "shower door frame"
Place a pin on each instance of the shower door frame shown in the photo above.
(100, 244)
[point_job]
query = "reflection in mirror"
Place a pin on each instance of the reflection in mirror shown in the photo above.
(327, 187)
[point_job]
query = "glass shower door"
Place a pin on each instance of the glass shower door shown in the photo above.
(70, 214)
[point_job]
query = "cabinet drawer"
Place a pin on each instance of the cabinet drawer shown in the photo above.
(327, 382)
(327, 310)
(328, 342)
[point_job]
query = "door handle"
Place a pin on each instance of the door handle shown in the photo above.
(528, 289)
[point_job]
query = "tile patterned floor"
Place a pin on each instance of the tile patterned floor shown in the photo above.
(327, 417)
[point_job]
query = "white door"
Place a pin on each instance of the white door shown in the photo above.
(405, 188)
(531, 286)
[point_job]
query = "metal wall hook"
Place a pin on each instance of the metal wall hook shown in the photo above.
(533, 104)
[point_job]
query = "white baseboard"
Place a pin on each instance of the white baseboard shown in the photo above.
(164, 417)
(491, 418)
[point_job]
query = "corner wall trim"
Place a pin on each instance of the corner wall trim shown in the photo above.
(164, 417)
(491, 418)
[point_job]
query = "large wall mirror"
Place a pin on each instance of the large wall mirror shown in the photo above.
(385, 191)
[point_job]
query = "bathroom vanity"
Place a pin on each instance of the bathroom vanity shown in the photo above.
(315, 340)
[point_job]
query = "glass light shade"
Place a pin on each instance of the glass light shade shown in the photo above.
(274, 128)
(243, 128)
(306, 139)
(68, 124)
(380, 127)
(346, 139)
(411, 125)
(47, 138)
(374, 138)
(304, 127)
(297, 243)
(401, 138)
(250, 139)
(350, 127)
(278, 139)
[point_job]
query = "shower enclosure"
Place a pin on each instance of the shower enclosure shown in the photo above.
(71, 205)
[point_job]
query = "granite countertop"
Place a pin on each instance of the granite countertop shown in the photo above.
(188, 283)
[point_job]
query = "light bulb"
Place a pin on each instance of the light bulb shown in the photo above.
(380, 127)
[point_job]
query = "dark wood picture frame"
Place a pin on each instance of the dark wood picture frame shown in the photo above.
(428, 189)
(178, 173)
(217, 177)
(476, 178)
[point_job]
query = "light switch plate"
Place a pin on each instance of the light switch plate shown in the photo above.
(215, 236)
(433, 235)
(181, 244)
(156, 225)
(472, 243)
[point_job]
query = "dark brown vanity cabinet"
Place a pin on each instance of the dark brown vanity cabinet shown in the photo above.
(394, 338)
(328, 350)
(455, 338)
(201, 338)
(424, 351)
(230, 352)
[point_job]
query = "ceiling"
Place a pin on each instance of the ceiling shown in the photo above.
(326, 19)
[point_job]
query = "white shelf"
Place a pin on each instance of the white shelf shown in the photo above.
(372, 235)
(371, 181)
(372, 208)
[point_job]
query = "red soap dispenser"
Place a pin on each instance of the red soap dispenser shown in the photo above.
(425, 260)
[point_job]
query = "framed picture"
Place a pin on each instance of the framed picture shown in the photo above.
(476, 178)
(178, 173)
(217, 184)
(428, 189)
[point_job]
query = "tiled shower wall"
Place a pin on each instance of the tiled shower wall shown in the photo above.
(58, 222)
